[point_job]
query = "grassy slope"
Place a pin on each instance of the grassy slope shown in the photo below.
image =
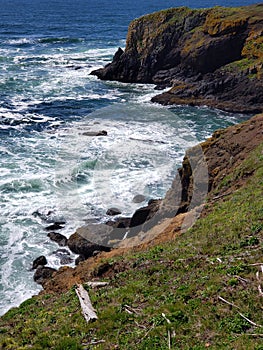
(179, 281)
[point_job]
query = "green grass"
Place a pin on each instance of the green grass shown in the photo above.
(168, 293)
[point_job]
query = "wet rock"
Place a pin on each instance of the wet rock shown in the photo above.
(79, 259)
(95, 133)
(55, 226)
(49, 216)
(60, 239)
(66, 260)
(144, 214)
(139, 198)
(119, 222)
(43, 274)
(42, 215)
(80, 245)
(40, 261)
(64, 256)
(61, 252)
(113, 211)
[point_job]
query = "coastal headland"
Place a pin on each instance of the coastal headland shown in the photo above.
(207, 57)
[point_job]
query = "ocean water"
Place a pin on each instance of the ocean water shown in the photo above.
(49, 100)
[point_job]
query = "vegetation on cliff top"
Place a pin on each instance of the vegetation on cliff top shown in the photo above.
(173, 295)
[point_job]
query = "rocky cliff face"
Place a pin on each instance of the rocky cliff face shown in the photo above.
(210, 56)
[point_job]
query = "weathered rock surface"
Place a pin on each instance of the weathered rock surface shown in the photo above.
(78, 244)
(60, 239)
(138, 198)
(54, 226)
(210, 57)
(143, 215)
(95, 133)
(40, 261)
(205, 166)
(113, 211)
(43, 274)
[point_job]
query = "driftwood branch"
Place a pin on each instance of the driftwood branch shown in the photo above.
(96, 284)
(85, 303)
(222, 195)
(247, 319)
(259, 280)
(227, 302)
(130, 309)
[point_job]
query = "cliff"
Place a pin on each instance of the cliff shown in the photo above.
(182, 289)
(210, 57)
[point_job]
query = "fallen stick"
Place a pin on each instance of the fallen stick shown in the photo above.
(169, 339)
(96, 284)
(227, 302)
(247, 319)
(85, 303)
(222, 195)
(130, 309)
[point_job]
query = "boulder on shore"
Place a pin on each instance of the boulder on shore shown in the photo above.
(113, 211)
(40, 261)
(43, 274)
(82, 246)
(60, 239)
(95, 133)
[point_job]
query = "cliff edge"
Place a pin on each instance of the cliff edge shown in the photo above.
(208, 57)
(207, 282)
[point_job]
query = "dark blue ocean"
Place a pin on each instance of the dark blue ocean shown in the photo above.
(48, 101)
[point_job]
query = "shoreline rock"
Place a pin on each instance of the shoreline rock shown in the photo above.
(40, 261)
(43, 274)
(113, 211)
(95, 133)
(60, 239)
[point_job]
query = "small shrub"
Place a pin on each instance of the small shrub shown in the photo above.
(236, 324)
(233, 282)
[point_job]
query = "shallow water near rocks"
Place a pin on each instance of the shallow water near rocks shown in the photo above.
(48, 102)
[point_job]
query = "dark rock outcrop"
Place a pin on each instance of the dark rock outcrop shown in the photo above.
(138, 198)
(208, 56)
(113, 211)
(55, 226)
(144, 214)
(40, 261)
(43, 274)
(64, 256)
(78, 244)
(95, 133)
(60, 239)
